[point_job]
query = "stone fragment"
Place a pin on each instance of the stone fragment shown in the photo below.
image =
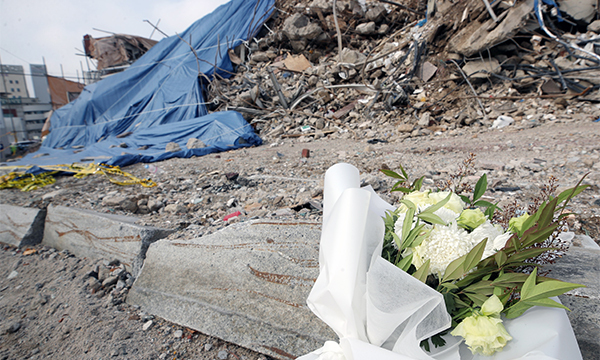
(480, 69)
(120, 202)
(425, 119)
(172, 147)
(305, 153)
(376, 13)
(20, 226)
(13, 328)
(405, 128)
(298, 26)
(594, 26)
(477, 36)
(96, 235)
(194, 143)
(260, 56)
(175, 209)
(249, 289)
(366, 28)
(147, 325)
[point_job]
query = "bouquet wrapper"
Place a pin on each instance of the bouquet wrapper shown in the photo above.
(379, 311)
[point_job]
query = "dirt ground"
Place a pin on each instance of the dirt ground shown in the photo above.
(51, 306)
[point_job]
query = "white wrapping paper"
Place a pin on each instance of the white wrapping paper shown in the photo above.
(379, 311)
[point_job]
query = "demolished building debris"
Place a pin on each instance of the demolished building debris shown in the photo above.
(290, 78)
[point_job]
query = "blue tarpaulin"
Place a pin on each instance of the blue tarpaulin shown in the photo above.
(159, 99)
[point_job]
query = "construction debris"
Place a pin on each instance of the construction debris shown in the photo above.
(394, 67)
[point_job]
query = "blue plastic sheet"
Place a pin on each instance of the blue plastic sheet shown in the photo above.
(159, 98)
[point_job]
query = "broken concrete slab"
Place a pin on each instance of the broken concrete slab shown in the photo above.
(480, 69)
(96, 235)
(581, 265)
(476, 36)
(20, 226)
(246, 284)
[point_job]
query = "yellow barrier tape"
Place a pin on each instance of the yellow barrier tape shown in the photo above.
(28, 182)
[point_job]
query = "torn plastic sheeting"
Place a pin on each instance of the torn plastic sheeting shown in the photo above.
(163, 87)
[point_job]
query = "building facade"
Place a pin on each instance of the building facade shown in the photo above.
(13, 82)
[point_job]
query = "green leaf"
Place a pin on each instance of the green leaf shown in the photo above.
(483, 203)
(538, 235)
(549, 288)
(404, 172)
(392, 174)
(517, 310)
(570, 193)
(402, 189)
(481, 287)
(529, 284)
(480, 187)
(478, 299)
(409, 204)
(474, 256)
(433, 208)
(407, 223)
(547, 214)
(417, 184)
(431, 218)
(465, 199)
(455, 269)
(405, 263)
(546, 303)
(422, 272)
(397, 240)
(500, 258)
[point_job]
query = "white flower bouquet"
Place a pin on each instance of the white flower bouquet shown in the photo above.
(439, 269)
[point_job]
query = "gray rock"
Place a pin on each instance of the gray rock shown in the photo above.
(424, 120)
(376, 13)
(120, 202)
(298, 26)
(250, 287)
(222, 355)
(147, 325)
(366, 28)
(260, 56)
(20, 226)
(194, 143)
(100, 236)
(93, 284)
(481, 68)
(172, 147)
(13, 274)
(175, 208)
(13, 328)
(154, 205)
(208, 347)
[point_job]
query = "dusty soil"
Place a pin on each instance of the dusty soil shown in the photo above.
(53, 307)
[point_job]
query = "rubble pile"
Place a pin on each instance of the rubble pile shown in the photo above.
(397, 76)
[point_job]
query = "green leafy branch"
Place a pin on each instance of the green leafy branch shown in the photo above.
(404, 184)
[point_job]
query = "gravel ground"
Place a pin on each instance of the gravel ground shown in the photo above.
(52, 305)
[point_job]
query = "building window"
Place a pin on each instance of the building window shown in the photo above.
(10, 81)
(16, 81)
(18, 90)
(12, 89)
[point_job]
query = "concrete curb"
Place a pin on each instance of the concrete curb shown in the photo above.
(100, 236)
(246, 284)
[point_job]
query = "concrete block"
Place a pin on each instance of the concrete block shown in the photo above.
(100, 236)
(21, 226)
(582, 266)
(246, 284)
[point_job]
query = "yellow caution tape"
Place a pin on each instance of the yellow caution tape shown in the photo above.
(27, 182)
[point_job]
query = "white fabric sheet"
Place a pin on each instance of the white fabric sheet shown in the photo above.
(379, 311)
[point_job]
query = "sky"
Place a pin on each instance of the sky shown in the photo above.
(32, 31)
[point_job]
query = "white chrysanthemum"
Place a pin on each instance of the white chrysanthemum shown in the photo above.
(447, 215)
(496, 236)
(443, 245)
